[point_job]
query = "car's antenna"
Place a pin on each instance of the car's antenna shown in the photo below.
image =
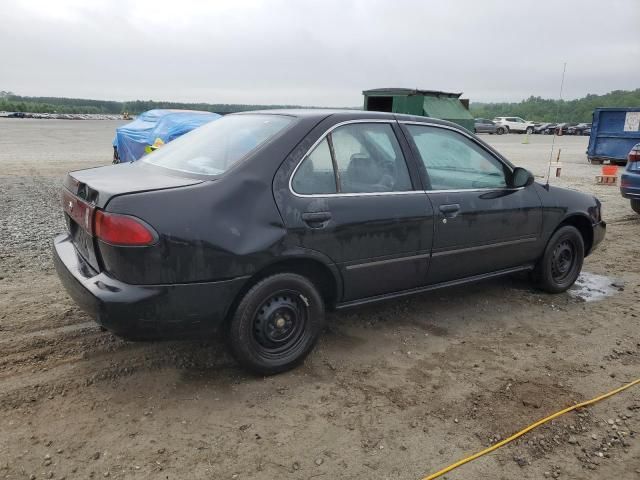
(553, 141)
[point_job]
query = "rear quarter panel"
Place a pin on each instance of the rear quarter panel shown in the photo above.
(216, 230)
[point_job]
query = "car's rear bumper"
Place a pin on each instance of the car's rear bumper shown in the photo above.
(630, 185)
(142, 310)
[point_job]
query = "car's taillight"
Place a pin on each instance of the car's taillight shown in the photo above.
(634, 154)
(122, 230)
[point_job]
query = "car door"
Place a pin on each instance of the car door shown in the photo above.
(482, 225)
(352, 198)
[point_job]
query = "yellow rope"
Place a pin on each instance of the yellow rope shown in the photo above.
(528, 429)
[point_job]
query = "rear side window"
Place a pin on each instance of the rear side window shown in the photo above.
(453, 162)
(360, 157)
(315, 175)
(213, 148)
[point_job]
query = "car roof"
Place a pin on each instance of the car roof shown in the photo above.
(348, 114)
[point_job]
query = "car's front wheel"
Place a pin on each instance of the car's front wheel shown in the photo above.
(529, 130)
(501, 130)
(635, 205)
(276, 324)
(561, 262)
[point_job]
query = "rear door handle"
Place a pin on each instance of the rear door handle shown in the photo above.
(450, 210)
(316, 219)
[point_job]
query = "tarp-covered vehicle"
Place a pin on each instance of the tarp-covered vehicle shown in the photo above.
(155, 127)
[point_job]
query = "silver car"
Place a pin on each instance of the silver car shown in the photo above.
(484, 125)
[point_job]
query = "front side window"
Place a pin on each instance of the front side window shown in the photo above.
(453, 162)
(215, 147)
(367, 159)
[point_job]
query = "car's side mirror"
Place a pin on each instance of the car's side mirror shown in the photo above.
(521, 177)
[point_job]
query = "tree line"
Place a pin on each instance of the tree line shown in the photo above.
(533, 108)
(540, 109)
(10, 102)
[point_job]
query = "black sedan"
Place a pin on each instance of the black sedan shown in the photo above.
(257, 223)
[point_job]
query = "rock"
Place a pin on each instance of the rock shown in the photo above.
(594, 437)
(520, 460)
(295, 466)
(611, 421)
(531, 403)
(95, 456)
(319, 461)
(32, 476)
(572, 440)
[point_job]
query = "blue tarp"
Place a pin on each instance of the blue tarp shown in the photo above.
(132, 138)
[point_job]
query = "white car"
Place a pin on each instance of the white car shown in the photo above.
(515, 124)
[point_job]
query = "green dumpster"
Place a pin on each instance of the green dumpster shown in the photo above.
(427, 103)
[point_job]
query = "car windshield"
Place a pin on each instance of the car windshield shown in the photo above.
(215, 147)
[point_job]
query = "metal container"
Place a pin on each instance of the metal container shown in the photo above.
(427, 103)
(614, 132)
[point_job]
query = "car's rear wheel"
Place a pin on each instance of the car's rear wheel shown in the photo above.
(500, 130)
(561, 262)
(635, 205)
(529, 130)
(276, 324)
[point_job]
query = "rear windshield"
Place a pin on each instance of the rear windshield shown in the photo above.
(215, 147)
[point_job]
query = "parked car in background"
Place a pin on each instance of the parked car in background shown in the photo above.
(630, 179)
(153, 128)
(515, 124)
(563, 128)
(544, 128)
(257, 223)
(484, 125)
(579, 129)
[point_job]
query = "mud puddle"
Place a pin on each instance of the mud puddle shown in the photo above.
(592, 287)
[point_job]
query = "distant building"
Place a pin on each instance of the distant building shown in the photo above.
(426, 103)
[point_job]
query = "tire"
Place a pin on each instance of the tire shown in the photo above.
(561, 261)
(501, 130)
(529, 130)
(635, 206)
(258, 340)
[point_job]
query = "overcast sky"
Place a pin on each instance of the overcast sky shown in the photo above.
(321, 52)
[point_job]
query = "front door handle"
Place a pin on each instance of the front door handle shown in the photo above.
(450, 210)
(316, 219)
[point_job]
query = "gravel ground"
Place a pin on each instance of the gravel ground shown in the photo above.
(396, 390)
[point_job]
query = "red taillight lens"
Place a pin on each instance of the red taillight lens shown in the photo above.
(123, 230)
(634, 154)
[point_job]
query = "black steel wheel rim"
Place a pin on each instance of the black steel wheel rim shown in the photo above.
(563, 260)
(279, 324)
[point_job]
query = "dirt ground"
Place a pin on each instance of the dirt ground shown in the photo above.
(392, 391)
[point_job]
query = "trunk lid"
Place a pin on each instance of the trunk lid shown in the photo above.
(87, 190)
(98, 185)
